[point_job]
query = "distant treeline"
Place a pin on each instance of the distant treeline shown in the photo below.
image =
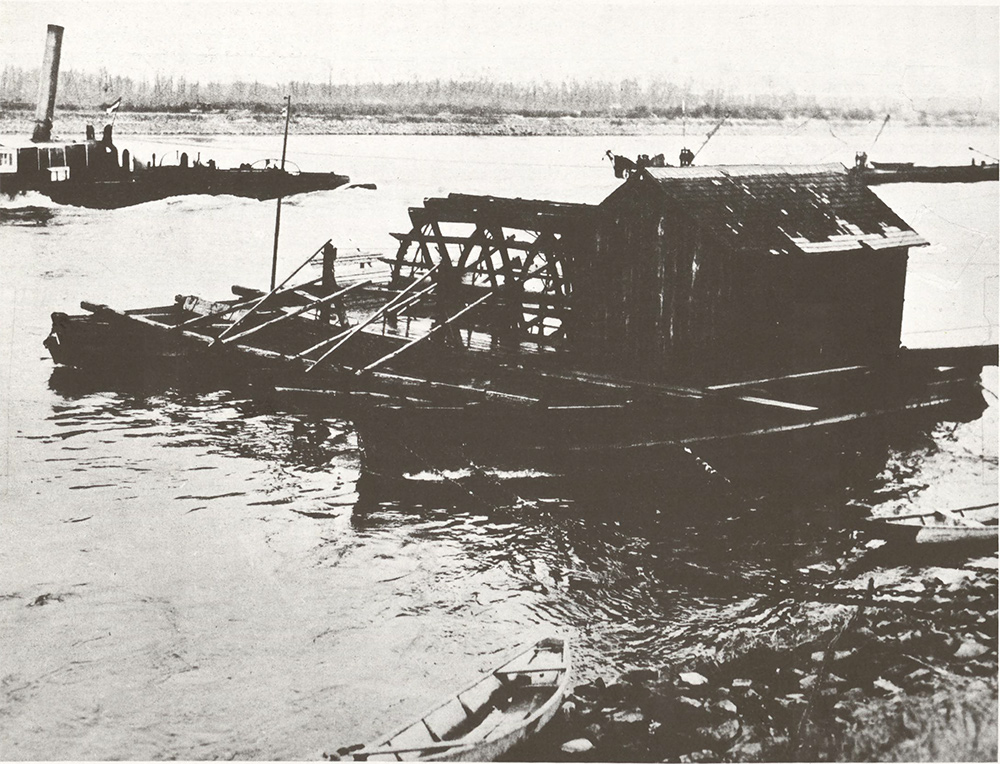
(77, 90)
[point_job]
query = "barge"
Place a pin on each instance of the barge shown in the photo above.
(876, 173)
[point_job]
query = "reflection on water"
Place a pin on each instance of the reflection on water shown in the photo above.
(26, 216)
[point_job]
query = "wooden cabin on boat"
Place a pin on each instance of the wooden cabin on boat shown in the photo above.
(695, 274)
(716, 273)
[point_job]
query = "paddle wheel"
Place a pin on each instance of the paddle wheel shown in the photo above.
(517, 257)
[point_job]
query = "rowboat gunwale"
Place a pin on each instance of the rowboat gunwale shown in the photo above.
(905, 527)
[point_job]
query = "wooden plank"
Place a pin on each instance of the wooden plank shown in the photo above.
(530, 670)
(948, 511)
(775, 403)
(420, 339)
(434, 385)
(273, 292)
(477, 237)
(377, 314)
(366, 752)
(452, 239)
(800, 375)
(298, 311)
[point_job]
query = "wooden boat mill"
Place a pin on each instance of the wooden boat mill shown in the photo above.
(89, 173)
(740, 319)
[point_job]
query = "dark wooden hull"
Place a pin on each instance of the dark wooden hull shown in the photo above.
(685, 442)
(163, 182)
(444, 411)
(917, 174)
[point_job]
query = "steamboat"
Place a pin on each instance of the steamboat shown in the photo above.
(90, 173)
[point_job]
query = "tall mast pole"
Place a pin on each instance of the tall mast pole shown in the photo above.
(281, 180)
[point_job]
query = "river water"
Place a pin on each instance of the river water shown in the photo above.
(190, 576)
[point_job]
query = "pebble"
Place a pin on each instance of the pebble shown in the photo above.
(791, 700)
(751, 751)
(687, 702)
(843, 710)
(949, 576)
(838, 655)
(970, 649)
(886, 686)
(705, 754)
(631, 716)
(578, 745)
(693, 679)
(721, 734)
(726, 707)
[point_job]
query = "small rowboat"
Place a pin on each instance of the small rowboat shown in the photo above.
(970, 524)
(487, 718)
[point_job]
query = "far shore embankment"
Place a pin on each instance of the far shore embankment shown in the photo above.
(71, 124)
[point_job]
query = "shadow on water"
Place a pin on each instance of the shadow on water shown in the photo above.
(29, 217)
(644, 571)
(203, 417)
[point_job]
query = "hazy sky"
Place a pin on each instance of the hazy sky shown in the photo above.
(916, 51)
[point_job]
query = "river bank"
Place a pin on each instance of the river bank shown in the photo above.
(249, 122)
(904, 668)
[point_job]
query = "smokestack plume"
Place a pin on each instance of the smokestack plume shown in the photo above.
(47, 86)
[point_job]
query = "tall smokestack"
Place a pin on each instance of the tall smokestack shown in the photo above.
(47, 86)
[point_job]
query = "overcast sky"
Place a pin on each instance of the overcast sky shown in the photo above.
(913, 51)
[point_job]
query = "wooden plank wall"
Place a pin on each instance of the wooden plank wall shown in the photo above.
(665, 300)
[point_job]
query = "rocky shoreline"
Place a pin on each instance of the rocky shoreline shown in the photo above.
(906, 670)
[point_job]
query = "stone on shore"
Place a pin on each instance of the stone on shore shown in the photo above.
(578, 745)
(692, 679)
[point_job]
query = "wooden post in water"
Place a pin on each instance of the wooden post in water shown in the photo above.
(281, 178)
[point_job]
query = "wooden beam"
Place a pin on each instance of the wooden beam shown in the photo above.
(298, 311)
(273, 292)
(420, 339)
(801, 375)
(374, 316)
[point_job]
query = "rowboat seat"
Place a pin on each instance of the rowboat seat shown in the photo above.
(477, 696)
(412, 737)
(958, 520)
(447, 721)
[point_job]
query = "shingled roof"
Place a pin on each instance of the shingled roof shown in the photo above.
(781, 209)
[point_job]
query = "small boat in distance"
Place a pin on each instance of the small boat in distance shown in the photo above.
(937, 526)
(876, 173)
(487, 718)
